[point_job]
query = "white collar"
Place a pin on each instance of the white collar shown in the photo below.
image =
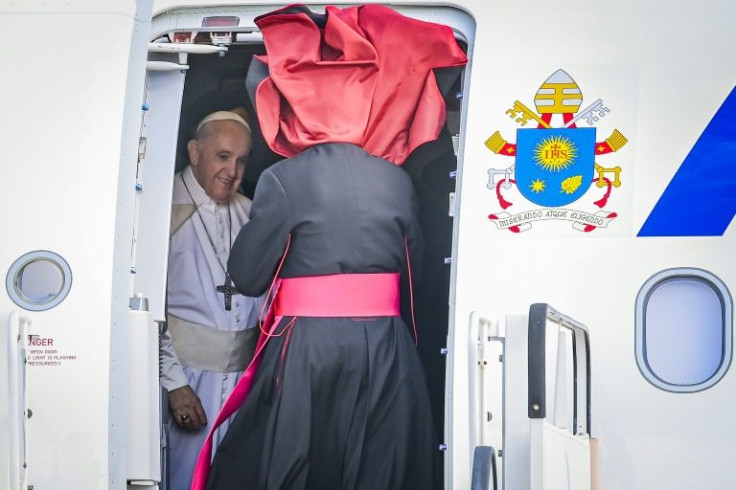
(198, 193)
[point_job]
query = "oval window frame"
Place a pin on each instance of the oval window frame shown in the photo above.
(11, 280)
(642, 298)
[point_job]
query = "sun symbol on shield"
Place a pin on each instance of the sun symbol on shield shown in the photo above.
(555, 153)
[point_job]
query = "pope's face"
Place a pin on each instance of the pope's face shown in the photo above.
(218, 158)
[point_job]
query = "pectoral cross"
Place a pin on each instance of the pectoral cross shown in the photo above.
(228, 290)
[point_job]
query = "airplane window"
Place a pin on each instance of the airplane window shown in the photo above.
(683, 330)
(39, 280)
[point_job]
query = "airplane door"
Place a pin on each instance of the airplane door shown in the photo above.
(147, 438)
(69, 133)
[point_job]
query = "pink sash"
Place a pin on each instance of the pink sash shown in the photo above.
(341, 295)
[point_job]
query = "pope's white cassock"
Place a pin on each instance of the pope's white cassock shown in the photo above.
(205, 346)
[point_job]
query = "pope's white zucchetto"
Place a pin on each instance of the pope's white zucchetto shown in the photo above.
(223, 116)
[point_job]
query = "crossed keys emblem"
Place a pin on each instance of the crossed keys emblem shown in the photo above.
(522, 114)
(555, 165)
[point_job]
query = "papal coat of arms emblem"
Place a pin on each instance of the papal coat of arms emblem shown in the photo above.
(555, 166)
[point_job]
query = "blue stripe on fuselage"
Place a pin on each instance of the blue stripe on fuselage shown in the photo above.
(701, 198)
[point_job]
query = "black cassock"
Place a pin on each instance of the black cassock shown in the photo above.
(337, 403)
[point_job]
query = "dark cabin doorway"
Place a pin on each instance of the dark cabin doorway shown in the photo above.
(216, 82)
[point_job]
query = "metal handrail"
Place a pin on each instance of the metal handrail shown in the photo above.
(17, 399)
(539, 313)
(485, 473)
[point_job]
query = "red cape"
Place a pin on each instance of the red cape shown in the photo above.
(359, 75)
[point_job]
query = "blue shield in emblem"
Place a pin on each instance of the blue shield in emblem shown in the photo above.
(554, 167)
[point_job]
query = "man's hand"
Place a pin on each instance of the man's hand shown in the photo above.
(186, 409)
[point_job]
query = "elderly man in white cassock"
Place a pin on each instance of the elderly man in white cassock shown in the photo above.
(210, 339)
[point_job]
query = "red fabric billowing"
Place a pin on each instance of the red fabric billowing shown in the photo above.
(366, 78)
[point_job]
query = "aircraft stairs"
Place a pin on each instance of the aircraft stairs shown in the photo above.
(530, 406)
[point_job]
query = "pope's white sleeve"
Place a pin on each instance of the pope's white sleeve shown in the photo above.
(170, 370)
